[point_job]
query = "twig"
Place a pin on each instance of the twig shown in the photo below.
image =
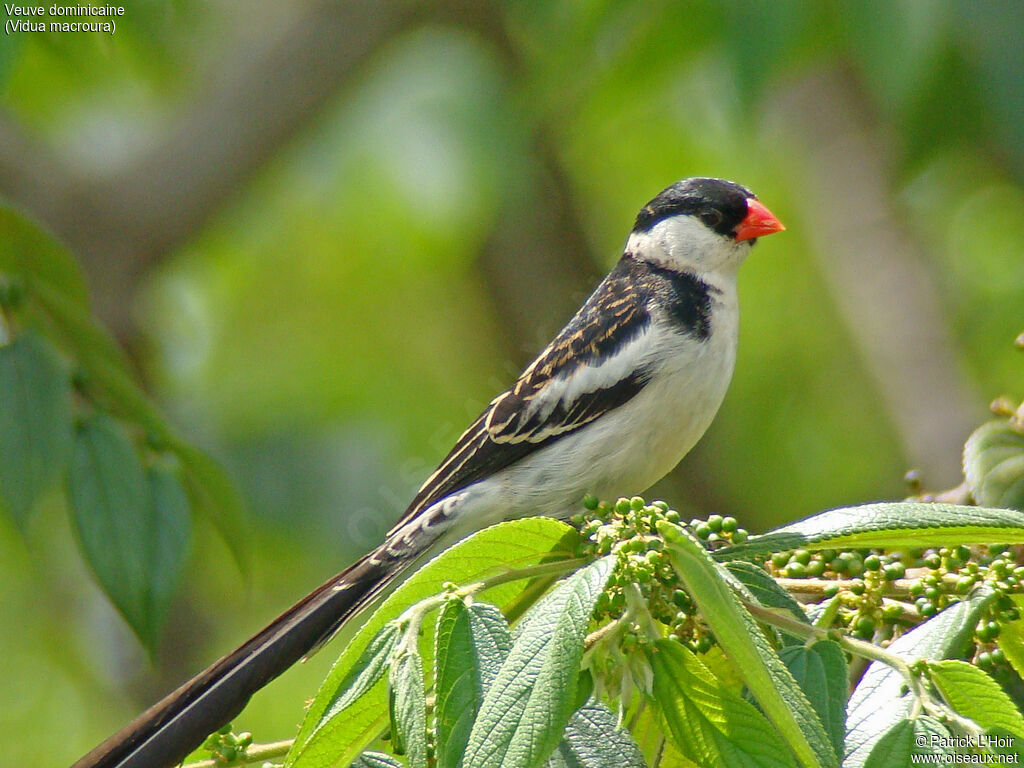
(254, 753)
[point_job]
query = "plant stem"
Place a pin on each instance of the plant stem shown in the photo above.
(807, 631)
(254, 753)
(413, 615)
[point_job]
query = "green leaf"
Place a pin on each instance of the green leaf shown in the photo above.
(907, 739)
(376, 760)
(767, 591)
(367, 671)
(525, 711)
(99, 356)
(472, 643)
(360, 696)
(1011, 640)
(215, 495)
(881, 700)
(889, 525)
(110, 385)
(820, 670)
(994, 465)
(35, 422)
(408, 706)
(671, 757)
(168, 540)
(327, 739)
(593, 739)
(709, 723)
(116, 522)
(974, 694)
(741, 639)
(26, 250)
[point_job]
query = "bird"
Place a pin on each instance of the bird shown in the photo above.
(610, 406)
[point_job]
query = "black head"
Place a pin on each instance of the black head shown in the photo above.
(720, 204)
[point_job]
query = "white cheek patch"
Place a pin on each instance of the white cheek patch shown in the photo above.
(684, 243)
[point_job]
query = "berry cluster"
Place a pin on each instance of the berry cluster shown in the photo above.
(627, 528)
(883, 593)
(879, 595)
(226, 747)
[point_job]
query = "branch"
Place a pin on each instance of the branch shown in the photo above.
(877, 275)
(121, 224)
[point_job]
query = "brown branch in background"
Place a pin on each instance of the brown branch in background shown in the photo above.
(120, 225)
(877, 273)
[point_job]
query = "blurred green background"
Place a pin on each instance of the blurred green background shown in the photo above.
(329, 233)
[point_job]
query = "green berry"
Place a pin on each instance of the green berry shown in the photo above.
(831, 590)
(740, 535)
(815, 568)
(865, 625)
(590, 502)
(715, 523)
(730, 524)
(703, 530)
(894, 571)
(872, 562)
(857, 587)
(779, 559)
(637, 503)
(796, 570)
(802, 556)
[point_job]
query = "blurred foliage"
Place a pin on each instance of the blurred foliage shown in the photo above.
(330, 332)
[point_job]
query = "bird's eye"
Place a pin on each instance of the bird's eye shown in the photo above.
(711, 217)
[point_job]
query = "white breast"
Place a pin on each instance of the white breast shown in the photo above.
(626, 451)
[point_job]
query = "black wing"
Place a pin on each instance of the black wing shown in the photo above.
(522, 420)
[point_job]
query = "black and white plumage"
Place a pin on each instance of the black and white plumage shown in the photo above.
(609, 407)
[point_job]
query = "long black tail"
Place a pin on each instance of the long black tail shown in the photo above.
(165, 733)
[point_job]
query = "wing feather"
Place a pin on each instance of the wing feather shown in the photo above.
(590, 368)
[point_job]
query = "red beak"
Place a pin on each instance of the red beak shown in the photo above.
(759, 222)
